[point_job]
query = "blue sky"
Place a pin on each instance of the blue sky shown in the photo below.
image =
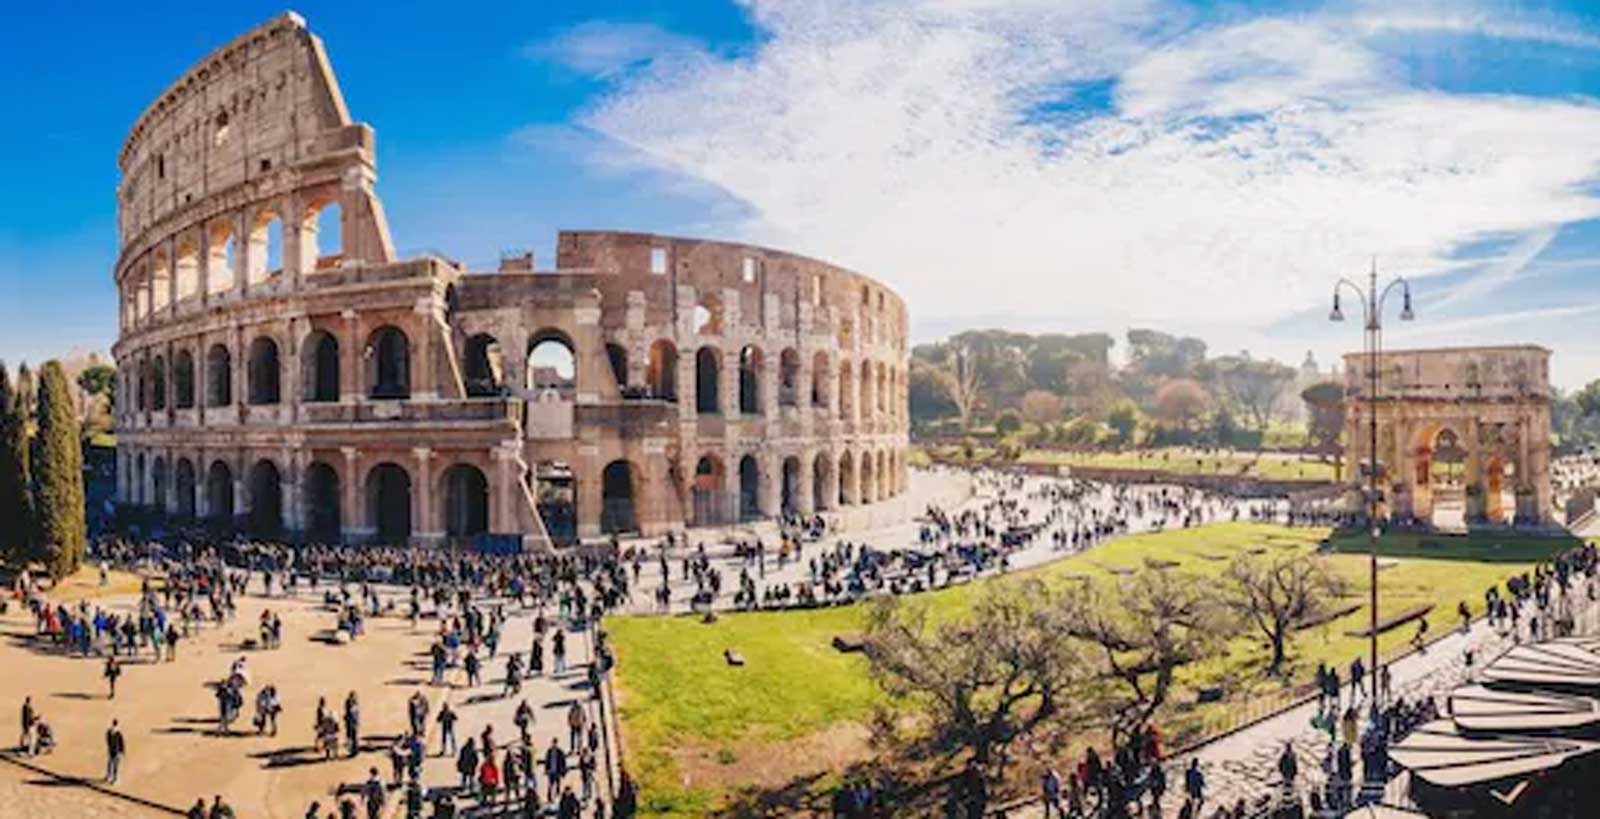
(1041, 164)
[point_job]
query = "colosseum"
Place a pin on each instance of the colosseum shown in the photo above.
(282, 373)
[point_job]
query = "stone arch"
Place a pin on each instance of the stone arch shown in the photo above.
(484, 367)
(789, 377)
(749, 488)
(184, 487)
(266, 498)
(819, 380)
(160, 483)
(750, 364)
(556, 496)
(221, 247)
(661, 376)
(321, 235)
(465, 493)
(389, 364)
(183, 379)
(789, 489)
(708, 380)
(865, 399)
(847, 479)
(388, 490)
(264, 372)
(552, 362)
(324, 502)
(881, 389)
(867, 492)
(618, 485)
(219, 492)
(158, 383)
(264, 253)
(219, 376)
(822, 482)
(711, 501)
(186, 267)
(320, 362)
(160, 280)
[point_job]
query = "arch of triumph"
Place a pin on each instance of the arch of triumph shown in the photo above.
(1463, 434)
(276, 380)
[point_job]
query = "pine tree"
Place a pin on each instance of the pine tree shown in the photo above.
(58, 488)
(16, 499)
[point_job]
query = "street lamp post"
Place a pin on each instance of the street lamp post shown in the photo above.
(1372, 301)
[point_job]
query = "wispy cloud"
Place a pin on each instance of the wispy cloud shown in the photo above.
(1502, 270)
(605, 49)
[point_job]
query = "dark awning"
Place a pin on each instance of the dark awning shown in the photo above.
(1566, 663)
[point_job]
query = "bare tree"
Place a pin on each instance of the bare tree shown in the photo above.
(1144, 627)
(984, 681)
(1277, 595)
(961, 383)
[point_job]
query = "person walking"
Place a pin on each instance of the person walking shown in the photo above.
(116, 747)
(575, 720)
(112, 672)
(1050, 793)
(372, 794)
(1194, 784)
(352, 723)
(555, 768)
(1288, 765)
(29, 717)
(198, 809)
(447, 730)
(467, 764)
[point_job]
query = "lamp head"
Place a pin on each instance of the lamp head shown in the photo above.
(1406, 313)
(1336, 314)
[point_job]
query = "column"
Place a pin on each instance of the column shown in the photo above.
(424, 526)
(769, 499)
(350, 376)
(424, 381)
(352, 521)
(502, 519)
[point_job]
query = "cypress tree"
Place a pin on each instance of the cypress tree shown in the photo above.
(58, 470)
(16, 501)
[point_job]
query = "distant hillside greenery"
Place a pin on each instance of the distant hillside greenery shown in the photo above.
(1055, 389)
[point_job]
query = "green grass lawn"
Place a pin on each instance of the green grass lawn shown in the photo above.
(678, 693)
(1182, 460)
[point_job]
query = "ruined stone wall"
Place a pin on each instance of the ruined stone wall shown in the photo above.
(275, 379)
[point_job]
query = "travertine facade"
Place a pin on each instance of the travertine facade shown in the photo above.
(1465, 429)
(281, 370)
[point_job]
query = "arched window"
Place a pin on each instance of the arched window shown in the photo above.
(220, 265)
(708, 316)
(158, 383)
(219, 493)
(662, 377)
(320, 359)
(819, 380)
(184, 483)
(321, 237)
(789, 378)
(484, 369)
(264, 258)
(466, 501)
(186, 268)
(789, 497)
(266, 499)
(847, 390)
(389, 503)
(219, 377)
(323, 500)
(750, 380)
(264, 373)
(552, 363)
(749, 488)
(712, 504)
(183, 380)
(389, 364)
(847, 478)
(160, 282)
(617, 512)
(821, 482)
(707, 381)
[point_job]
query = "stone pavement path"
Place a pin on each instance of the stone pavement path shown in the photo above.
(1244, 765)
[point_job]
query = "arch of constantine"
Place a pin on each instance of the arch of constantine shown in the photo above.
(281, 371)
(1463, 434)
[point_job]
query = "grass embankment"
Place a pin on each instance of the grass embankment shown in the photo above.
(697, 730)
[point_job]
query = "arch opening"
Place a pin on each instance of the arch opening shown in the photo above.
(389, 374)
(749, 488)
(264, 372)
(324, 503)
(790, 496)
(184, 486)
(266, 499)
(712, 504)
(789, 377)
(466, 502)
(484, 371)
(321, 368)
(617, 509)
(750, 380)
(219, 376)
(661, 377)
(183, 380)
(219, 494)
(389, 503)
(707, 381)
(552, 364)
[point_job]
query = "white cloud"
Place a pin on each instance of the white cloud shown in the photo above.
(1240, 167)
(605, 49)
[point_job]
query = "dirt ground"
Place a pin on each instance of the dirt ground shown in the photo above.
(168, 712)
